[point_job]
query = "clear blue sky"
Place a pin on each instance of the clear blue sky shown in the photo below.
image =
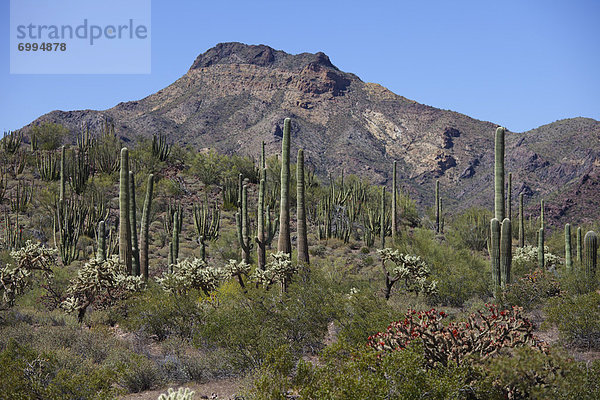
(517, 63)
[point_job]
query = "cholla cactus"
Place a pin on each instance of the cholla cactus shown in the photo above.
(191, 273)
(14, 279)
(181, 394)
(100, 283)
(278, 269)
(528, 256)
(409, 268)
(485, 333)
(236, 269)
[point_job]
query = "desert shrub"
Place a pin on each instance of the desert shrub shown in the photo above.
(28, 374)
(49, 135)
(577, 318)
(136, 372)
(412, 272)
(471, 229)
(180, 394)
(156, 314)
(531, 290)
(460, 273)
(209, 167)
(483, 334)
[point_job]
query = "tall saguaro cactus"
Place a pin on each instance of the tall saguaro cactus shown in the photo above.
(101, 252)
(499, 174)
(505, 252)
(382, 225)
(542, 225)
(590, 247)
(145, 227)
(124, 221)
(437, 206)
(509, 197)
(301, 211)
(541, 261)
(260, 225)
(135, 250)
(495, 253)
(243, 227)
(521, 222)
(568, 255)
(394, 201)
(63, 172)
(579, 245)
(284, 243)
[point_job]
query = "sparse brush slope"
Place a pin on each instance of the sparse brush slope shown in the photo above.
(234, 96)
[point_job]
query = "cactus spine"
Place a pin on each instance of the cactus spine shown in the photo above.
(495, 253)
(568, 257)
(499, 174)
(541, 261)
(394, 201)
(579, 245)
(243, 228)
(521, 222)
(505, 252)
(284, 243)
(135, 250)
(124, 221)
(301, 211)
(145, 227)
(101, 252)
(590, 247)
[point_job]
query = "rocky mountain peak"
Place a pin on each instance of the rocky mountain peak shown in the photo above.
(261, 55)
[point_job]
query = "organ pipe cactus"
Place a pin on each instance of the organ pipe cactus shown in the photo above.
(160, 148)
(284, 243)
(579, 245)
(48, 166)
(505, 252)
(124, 221)
(145, 227)
(590, 248)
(206, 221)
(499, 174)
(135, 250)
(495, 253)
(568, 255)
(301, 211)
(63, 172)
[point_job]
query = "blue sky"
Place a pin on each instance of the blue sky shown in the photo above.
(520, 64)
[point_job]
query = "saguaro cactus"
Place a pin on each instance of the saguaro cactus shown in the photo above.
(542, 225)
(177, 223)
(101, 251)
(590, 247)
(284, 243)
(541, 261)
(382, 226)
(568, 259)
(495, 253)
(243, 227)
(579, 245)
(499, 174)
(124, 221)
(437, 206)
(521, 222)
(135, 250)
(63, 172)
(394, 201)
(509, 197)
(145, 227)
(260, 225)
(301, 211)
(505, 252)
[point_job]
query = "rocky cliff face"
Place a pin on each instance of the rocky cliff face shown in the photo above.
(234, 96)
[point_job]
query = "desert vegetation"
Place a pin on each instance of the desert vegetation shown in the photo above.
(127, 267)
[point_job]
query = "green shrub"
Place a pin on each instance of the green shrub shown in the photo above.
(531, 290)
(49, 135)
(577, 318)
(471, 229)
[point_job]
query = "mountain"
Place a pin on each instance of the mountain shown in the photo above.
(234, 96)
